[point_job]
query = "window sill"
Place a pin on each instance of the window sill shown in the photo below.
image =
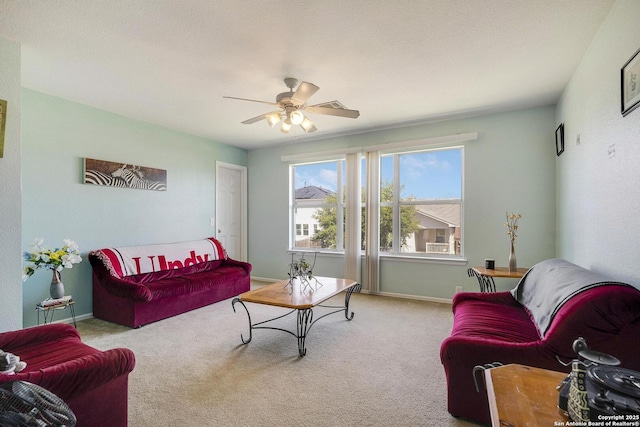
(426, 259)
(320, 252)
(389, 257)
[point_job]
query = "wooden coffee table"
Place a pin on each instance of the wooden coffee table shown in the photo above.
(301, 297)
(523, 395)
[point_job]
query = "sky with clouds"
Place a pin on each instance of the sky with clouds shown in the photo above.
(435, 174)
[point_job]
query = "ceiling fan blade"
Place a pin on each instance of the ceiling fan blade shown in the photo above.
(339, 112)
(304, 92)
(251, 100)
(255, 119)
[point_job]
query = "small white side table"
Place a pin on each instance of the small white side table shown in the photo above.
(49, 310)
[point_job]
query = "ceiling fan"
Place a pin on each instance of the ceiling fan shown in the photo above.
(292, 106)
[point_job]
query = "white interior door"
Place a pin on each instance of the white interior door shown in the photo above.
(231, 214)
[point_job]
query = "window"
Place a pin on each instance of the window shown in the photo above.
(302, 229)
(420, 203)
(317, 187)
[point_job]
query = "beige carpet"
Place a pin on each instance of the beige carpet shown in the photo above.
(380, 369)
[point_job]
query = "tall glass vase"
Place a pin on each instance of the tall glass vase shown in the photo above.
(56, 290)
(513, 265)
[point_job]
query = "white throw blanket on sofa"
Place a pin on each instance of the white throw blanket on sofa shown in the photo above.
(133, 260)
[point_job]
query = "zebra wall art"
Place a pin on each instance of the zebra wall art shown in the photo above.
(135, 179)
(102, 172)
(100, 178)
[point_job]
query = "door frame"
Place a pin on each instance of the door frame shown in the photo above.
(243, 204)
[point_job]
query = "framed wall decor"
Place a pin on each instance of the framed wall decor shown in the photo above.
(560, 139)
(103, 172)
(3, 121)
(630, 84)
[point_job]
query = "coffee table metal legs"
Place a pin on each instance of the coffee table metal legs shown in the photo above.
(356, 288)
(233, 305)
(304, 319)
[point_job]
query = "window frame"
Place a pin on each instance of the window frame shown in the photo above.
(339, 206)
(445, 142)
(397, 204)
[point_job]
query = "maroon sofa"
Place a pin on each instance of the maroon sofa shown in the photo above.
(535, 324)
(92, 382)
(137, 285)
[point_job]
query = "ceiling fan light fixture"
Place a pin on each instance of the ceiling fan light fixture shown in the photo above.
(273, 118)
(296, 117)
(286, 126)
(306, 125)
(293, 104)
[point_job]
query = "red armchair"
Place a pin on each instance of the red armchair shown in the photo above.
(92, 382)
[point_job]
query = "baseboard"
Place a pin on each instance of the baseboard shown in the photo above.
(412, 297)
(69, 320)
(82, 317)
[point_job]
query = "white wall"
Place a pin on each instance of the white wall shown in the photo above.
(56, 136)
(10, 199)
(509, 168)
(598, 180)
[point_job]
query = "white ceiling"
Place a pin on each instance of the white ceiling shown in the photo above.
(170, 62)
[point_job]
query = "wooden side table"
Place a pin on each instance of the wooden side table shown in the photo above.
(522, 395)
(485, 276)
(49, 310)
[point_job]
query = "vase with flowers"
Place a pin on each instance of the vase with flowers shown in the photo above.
(55, 259)
(512, 228)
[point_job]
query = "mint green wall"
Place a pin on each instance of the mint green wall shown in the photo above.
(510, 167)
(56, 136)
(598, 188)
(10, 199)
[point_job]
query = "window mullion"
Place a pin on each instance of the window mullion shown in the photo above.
(292, 209)
(339, 210)
(396, 205)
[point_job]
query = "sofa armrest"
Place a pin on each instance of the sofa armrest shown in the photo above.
(23, 337)
(116, 286)
(78, 376)
(122, 288)
(460, 355)
(470, 351)
(607, 317)
(244, 265)
(504, 298)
